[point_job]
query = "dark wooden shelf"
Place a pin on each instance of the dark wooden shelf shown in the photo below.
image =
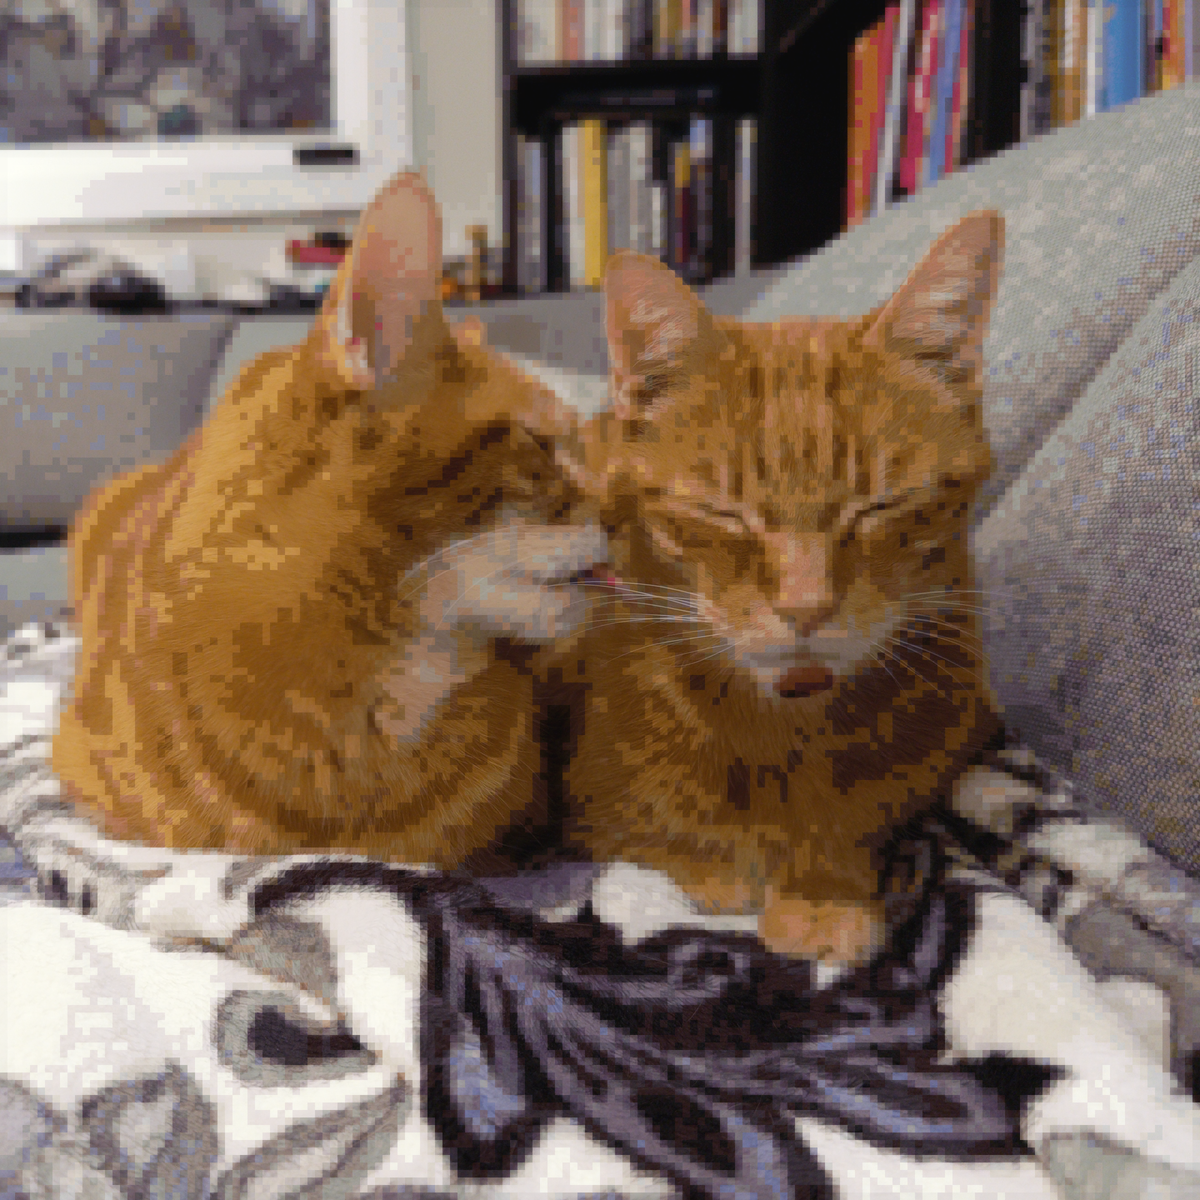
(645, 88)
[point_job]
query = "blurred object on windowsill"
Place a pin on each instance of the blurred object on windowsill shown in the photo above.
(87, 278)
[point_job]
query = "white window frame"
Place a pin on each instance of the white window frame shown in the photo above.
(222, 177)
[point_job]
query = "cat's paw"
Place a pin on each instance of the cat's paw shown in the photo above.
(846, 934)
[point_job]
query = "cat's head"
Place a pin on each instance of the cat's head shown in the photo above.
(463, 459)
(792, 500)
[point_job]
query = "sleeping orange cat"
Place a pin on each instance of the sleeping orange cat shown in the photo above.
(302, 632)
(793, 660)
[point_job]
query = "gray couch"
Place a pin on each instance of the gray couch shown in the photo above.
(1089, 535)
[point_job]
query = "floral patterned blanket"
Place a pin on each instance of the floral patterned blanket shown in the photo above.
(201, 1025)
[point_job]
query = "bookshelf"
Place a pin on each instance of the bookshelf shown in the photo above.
(806, 114)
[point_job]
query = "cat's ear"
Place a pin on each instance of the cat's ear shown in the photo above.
(385, 305)
(654, 323)
(939, 314)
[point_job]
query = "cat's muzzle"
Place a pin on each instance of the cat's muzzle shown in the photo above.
(804, 681)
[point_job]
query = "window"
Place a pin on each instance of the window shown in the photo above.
(184, 153)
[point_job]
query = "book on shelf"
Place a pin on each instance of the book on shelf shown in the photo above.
(878, 84)
(684, 194)
(912, 80)
(1093, 101)
(570, 30)
(530, 215)
(955, 134)
(1174, 59)
(593, 155)
(920, 97)
(746, 137)
(572, 237)
(618, 30)
(896, 86)
(618, 175)
(862, 104)
(640, 236)
(936, 164)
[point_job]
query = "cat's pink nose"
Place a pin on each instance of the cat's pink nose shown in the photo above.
(804, 681)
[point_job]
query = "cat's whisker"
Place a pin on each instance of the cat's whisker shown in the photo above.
(632, 595)
(926, 653)
(883, 653)
(640, 621)
(946, 614)
(947, 631)
(665, 642)
(943, 592)
(659, 589)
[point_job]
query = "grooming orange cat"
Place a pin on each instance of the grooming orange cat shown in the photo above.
(293, 631)
(793, 661)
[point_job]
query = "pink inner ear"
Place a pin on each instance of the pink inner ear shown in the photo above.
(651, 315)
(396, 270)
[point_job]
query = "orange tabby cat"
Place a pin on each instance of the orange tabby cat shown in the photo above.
(293, 630)
(792, 662)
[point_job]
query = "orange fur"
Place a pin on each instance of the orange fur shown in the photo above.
(788, 507)
(296, 632)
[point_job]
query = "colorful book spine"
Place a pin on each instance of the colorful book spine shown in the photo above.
(593, 159)
(1191, 26)
(672, 22)
(570, 26)
(640, 188)
(885, 32)
(859, 130)
(1174, 58)
(944, 93)
(681, 180)
(1074, 57)
(1094, 89)
(704, 28)
(530, 257)
(906, 19)
(918, 99)
(1124, 58)
(572, 169)
(743, 214)
(1037, 100)
(1152, 16)
(701, 152)
(686, 44)
(956, 134)
(641, 28)
(614, 28)
(538, 25)
(720, 38)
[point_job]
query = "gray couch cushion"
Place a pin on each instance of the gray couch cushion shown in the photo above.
(34, 586)
(1091, 563)
(83, 397)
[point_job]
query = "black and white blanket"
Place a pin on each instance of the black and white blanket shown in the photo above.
(200, 1025)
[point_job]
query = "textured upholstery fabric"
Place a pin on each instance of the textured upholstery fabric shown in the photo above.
(83, 397)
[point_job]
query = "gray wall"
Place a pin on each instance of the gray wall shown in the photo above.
(456, 112)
